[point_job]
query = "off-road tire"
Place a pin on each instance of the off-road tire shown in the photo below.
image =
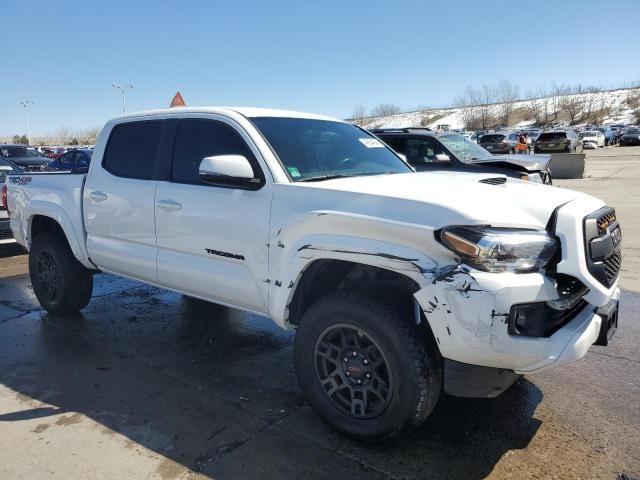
(61, 283)
(412, 357)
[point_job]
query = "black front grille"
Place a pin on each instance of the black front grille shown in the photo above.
(603, 243)
(5, 234)
(612, 266)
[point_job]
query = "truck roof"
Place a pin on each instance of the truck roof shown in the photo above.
(250, 112)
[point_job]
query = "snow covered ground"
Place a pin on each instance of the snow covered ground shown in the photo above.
(616, 100)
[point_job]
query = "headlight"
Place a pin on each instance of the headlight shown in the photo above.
(499, 249)
(532, 177)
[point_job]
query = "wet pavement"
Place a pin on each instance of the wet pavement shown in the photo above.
(146, 383)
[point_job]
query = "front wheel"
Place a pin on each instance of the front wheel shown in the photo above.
(364, 366)
(61, 283)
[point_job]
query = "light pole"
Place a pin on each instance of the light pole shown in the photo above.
(122, 89)
(25, 104)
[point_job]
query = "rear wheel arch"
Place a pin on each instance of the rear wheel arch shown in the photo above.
(39, 224)
(57, 223)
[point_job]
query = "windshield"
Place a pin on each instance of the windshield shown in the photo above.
(464, 149)
(33, 153)
(587, 134)
(633, 131)
(319, 149)
(12, 152)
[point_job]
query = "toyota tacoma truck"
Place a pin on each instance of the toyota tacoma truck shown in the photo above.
(400, 285)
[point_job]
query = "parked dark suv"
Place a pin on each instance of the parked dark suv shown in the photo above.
(558, 141)
(24, 157)
(426, 150)
(631, 136)
(499, 142)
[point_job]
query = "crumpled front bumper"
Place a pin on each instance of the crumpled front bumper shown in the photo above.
(468, 312)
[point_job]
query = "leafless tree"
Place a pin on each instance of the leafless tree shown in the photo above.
(467, 102)
(507, 93)
(572, 103)
(88, 136)
(589, 103)
(555, 100)
(385, 109)
(64, 135)
(633, 101)
(486, 97)
(534, 104)
(358, 115)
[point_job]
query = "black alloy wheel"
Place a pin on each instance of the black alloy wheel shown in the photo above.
(47, 277)
(353, 371)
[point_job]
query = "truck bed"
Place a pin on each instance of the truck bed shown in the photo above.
(54, 194)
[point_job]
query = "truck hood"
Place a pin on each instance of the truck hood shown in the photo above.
(438, 199)
(530, 163)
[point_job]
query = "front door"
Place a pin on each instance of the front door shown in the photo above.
(212, 241)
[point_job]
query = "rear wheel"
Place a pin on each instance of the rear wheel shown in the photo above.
(364, 366)
(61, 283)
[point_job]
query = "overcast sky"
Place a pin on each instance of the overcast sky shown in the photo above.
(324, 56)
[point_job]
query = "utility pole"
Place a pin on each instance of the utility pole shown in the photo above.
(123, 89)
(26, 104)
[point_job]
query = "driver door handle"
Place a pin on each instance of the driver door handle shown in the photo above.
(169, 205)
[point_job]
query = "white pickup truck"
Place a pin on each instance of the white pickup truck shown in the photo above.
(400, 284)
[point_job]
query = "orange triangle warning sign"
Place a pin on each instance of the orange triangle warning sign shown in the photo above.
(177, 101)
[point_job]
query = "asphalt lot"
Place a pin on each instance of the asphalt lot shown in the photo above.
(148, 384)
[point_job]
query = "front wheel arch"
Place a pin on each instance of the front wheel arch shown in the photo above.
(324, 276)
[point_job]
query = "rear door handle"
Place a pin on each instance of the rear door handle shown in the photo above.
(98, 196)
(169, 205)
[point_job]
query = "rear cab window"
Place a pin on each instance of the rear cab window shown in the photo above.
(132, 148)
(550, 136)
(491, 138)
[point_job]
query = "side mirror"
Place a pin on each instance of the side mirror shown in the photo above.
(228, 171)
(442, 158)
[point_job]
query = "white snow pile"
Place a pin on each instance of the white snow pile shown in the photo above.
(615, 100)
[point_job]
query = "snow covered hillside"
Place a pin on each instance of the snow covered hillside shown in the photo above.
(613, 106)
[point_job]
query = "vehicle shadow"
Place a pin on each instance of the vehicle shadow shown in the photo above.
(11, 250)
(466, 438)
(194, 381)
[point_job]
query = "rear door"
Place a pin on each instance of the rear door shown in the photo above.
(119, 201)
(212, 240)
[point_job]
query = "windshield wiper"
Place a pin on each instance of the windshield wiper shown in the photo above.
(319, 178)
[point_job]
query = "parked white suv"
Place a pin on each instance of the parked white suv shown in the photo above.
(592, 139)
(400, 284)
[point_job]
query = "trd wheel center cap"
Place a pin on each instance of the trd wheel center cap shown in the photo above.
(355, 366)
